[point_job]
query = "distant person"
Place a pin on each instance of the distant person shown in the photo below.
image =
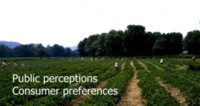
(15, 65)
(161, 61)
(193, 58)
(116, 65)
(4, 65)
(29, 67)
(22, 65)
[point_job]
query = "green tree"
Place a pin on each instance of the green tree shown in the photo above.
(68, 52)
(192, 42)
(57, 51)
(99, 45)
(25, 50)
(40, 50)
(81, 47)
(134, 39)
(114, 43)
(5, 51)
(159, 46)
(89, 45)
(174, 43)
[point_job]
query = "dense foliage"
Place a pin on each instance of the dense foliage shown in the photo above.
(135, 41)
(179, 74)
(192, 42)
(36, 50)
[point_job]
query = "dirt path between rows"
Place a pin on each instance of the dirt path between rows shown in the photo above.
(83, 98)
(156, 66)
(143, 65)
(174, 91)
(132, 95)
(123, 66)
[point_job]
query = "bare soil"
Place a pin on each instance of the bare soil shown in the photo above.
(83, 98)
(143, 65)
(132, 95)
(123, 66)
(174, 91)
(156, 66)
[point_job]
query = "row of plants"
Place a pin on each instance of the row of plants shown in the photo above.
(60, 100)
(187, 81)
(171, 65)
(71, 68)
(120, 82)
(152, 92)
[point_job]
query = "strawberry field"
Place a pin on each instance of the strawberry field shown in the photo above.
(136, 82)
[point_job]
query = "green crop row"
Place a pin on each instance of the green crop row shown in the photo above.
(170, 65)
(68, 68)
(186, 81)
(119, 82)
(152, 92)
(60, 100)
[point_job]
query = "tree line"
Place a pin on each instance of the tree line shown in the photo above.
(36, 50)
(135, 41)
